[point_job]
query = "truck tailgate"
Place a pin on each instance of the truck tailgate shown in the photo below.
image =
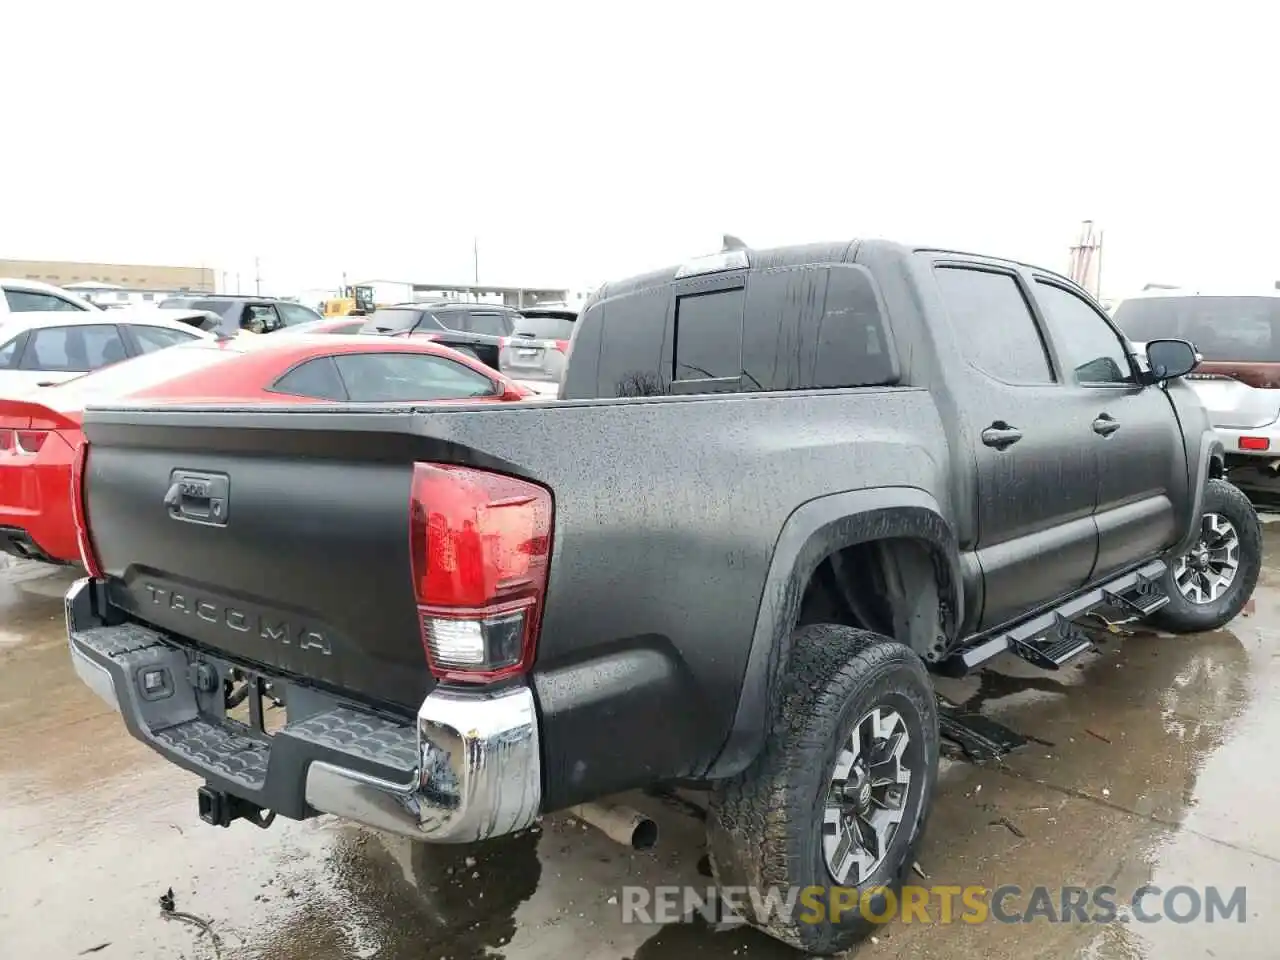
(288, 548)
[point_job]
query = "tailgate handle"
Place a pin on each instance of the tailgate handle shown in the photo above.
(198, 497)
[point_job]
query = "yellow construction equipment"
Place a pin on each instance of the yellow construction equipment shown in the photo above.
(355, 301)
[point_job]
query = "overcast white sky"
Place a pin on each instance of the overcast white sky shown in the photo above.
(586, 141)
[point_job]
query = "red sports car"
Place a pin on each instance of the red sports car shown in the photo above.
(39, 433)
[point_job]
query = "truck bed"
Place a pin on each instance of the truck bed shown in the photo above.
(666, 512)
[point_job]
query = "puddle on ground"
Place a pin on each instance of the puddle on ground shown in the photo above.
(1155, 763)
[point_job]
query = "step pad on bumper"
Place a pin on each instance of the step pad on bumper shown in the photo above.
(379, 741)
(465, 767)
(228, 754)
(219, 748)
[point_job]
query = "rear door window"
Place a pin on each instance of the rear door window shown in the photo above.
(994, 325)
(78, 349)
(402, 377)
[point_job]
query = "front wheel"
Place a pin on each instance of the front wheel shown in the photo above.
(835, 804)
(1211, 583)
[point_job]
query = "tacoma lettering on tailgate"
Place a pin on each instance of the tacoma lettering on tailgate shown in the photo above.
(273, 630)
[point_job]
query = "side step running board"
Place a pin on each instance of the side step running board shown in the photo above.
(1051, 639)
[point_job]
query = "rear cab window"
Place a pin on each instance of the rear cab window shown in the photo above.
(801, 327)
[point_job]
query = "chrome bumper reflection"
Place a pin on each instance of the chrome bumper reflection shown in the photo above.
(480, 775)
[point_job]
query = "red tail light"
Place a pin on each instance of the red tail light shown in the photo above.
(480, 545)
(30, 441)
(562, 346)
(1254, 443)
(80, 512)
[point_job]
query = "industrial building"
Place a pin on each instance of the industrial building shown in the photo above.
(112, 276)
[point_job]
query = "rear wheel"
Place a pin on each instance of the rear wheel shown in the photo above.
(838, 798)
(1210, 585)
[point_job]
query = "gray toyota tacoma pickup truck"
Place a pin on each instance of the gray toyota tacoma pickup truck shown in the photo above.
(778, 489)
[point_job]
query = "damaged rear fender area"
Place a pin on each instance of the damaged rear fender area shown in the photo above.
(883, 559)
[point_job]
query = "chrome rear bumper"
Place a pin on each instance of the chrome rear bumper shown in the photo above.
(479, 775)
(468, 768)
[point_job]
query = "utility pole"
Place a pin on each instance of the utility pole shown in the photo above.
(237, 283)
(475, 257)
(257, 278)
(1086, 259)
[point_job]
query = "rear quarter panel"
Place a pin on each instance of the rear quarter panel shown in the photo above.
(667, 513)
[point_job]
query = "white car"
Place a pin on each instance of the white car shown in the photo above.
(32, 296)
(42, 348)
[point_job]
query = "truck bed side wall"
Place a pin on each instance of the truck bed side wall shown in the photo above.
(667, 516)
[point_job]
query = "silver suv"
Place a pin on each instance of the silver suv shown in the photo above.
(1238, 335)
(538, 347)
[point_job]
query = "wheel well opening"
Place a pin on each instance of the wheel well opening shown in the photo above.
(889, 586)
(1217, 468)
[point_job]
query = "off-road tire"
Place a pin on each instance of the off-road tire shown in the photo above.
(764, 828)
(1180, 615)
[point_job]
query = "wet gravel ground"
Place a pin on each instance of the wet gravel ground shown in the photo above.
(1157, 766)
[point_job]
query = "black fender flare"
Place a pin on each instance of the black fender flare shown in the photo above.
(813, 532)
(1211, 462)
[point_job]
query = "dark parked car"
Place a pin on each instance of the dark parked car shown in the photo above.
(255, 314)
(476, 329)
(779, 488)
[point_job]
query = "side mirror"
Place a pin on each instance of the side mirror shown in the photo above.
(514, 391)
(1170, 359)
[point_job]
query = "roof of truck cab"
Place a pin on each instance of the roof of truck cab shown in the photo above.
(831, 252)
